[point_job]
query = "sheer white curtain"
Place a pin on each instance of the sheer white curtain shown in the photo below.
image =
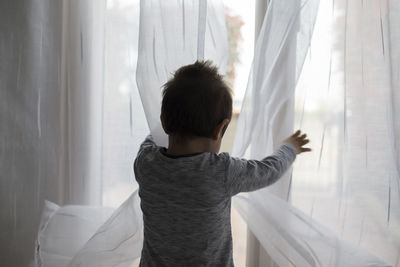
(345, 100)
(124, 122)
(30, 41)
(50, 93)
(344, 195)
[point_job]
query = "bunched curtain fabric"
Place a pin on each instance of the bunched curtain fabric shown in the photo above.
(267, 111)
(346, 99)
(173, 34)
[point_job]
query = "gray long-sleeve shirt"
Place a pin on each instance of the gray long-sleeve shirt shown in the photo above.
(186, 201)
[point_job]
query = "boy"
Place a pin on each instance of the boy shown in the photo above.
(186, 189)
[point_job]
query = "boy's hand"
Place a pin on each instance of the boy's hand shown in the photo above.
(298, 141)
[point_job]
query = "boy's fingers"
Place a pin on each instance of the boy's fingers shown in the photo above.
(305, 141)
(296, 133)
(305, 149)
(303, 136)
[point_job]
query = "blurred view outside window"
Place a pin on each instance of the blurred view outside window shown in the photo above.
(240, 25)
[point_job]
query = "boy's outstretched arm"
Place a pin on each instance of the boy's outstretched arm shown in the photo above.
(249, 175)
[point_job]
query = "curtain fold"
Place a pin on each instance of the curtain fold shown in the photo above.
(267, 110)
(394, 49)
(82, 86)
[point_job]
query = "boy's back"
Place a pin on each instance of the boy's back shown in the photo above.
(186, 202)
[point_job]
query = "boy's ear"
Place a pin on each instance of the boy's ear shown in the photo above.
(220, 129)
(162, 123)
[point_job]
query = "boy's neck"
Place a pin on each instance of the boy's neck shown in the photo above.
(179, 146)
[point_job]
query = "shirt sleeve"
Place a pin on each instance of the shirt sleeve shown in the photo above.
(248, 175)
(148, 142)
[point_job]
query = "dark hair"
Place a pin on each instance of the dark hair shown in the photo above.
(195, 100)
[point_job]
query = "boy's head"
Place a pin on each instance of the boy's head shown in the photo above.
(196, 102)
